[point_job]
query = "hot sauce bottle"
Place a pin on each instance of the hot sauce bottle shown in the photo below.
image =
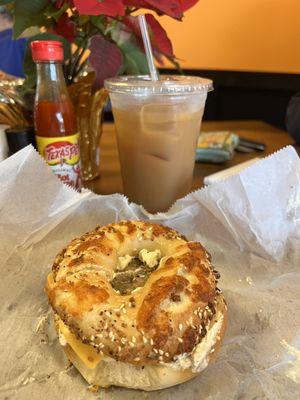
(54, 116)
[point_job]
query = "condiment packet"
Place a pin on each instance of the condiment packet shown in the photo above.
(216, 146)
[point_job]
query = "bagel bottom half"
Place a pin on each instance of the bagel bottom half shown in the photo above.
(109, 372)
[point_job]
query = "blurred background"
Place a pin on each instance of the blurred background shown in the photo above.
(250, 48)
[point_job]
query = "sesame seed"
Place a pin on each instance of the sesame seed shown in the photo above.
(136, 359)
(105, 326)
(92, 337)
(160, 358)
(167, 354)
(155, 351)
(180, 326)
(107, 313)
(123, 340)
(133, 339)
(151, 342)
(101, 345)
(195, 312)
(180, 340)
(124, 310)
(131, 344)
(160, 352)
(145, 340)
(119, 349)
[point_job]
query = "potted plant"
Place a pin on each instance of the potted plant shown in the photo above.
(101, 39)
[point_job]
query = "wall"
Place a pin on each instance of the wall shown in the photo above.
(244, 35)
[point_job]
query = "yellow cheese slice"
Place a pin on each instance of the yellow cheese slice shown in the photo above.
(88, 354)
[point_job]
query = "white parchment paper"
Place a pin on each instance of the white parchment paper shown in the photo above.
(249, 222)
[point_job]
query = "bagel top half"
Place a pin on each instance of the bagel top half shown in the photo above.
(137, 292)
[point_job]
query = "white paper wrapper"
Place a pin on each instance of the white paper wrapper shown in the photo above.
(251, 225)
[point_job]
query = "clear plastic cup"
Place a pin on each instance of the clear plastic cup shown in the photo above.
(158, 124)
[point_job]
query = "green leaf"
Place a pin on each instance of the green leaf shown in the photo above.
(28, 13)
(55, 13)
(29, 65)
(98, 21)
(135, 61)
(83, 19)
(3, 2)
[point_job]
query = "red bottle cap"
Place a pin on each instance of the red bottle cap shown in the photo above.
(47, 50)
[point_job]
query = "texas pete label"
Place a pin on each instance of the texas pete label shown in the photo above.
(62, 154)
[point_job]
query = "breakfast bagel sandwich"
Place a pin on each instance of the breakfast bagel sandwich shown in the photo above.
(136, 305)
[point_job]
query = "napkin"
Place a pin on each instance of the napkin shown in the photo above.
(3, 142)
(249, 222)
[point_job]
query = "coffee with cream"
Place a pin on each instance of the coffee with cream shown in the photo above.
(157, 132)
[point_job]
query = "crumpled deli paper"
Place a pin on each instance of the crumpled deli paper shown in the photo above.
(249, 222)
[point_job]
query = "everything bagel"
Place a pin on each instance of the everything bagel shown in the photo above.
(136, 305)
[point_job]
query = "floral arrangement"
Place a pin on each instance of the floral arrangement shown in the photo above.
(106, 30)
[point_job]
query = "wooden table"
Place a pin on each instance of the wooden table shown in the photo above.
(110, 178)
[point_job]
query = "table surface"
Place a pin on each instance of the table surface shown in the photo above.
(110, 177)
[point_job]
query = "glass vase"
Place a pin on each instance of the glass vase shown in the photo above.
(89, 106)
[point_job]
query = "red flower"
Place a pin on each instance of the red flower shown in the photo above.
(159, 38)
(111, 8)
(173, 8)
(105, 59)
(65, 27)
(186, 4)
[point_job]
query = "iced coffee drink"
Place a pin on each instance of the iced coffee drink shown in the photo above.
(158, 124)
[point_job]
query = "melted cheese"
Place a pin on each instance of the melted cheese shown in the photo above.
(88, 354)
(85, 352)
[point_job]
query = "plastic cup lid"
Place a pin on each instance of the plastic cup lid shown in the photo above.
(167, 84)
